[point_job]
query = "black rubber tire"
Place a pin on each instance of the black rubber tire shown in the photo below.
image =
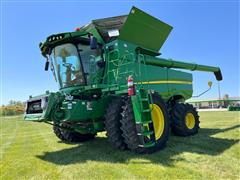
(112, 124)
(129, 127)
(72, 136)
(178, 125)
(56, 126)
(58, 132)
(65, 133)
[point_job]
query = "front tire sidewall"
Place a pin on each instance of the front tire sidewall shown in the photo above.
(194, 130)
(160, 143)
(179, 126)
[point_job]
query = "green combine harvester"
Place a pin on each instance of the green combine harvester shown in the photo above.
(112, 79)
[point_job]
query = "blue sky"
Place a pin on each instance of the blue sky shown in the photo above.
(204, 32)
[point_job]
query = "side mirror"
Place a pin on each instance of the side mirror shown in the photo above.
(46, 65)
(93, 42)
(209, 84)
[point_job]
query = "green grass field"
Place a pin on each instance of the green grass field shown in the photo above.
(31, 150)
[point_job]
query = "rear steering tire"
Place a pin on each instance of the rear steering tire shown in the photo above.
(160, 123)
(185, 120)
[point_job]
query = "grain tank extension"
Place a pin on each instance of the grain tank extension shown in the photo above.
(111, 78)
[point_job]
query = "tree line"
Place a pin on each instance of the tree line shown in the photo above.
(12, 108)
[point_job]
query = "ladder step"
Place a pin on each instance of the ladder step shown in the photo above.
(144, 122)
(146, 110)
(149, 144)
(146, 133)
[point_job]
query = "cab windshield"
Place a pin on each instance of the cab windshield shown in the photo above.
(67, 65)
(71, 63)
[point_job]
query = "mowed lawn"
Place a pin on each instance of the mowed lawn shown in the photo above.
(30, 150)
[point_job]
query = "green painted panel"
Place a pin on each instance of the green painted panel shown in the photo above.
(136, 109)
(167, 82)
(144, 30)
(179, 75)
(83, 110)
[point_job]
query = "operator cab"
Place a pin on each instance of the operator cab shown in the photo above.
(75, 63)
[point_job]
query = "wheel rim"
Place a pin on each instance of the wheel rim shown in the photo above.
(190, 120)
(158, 120)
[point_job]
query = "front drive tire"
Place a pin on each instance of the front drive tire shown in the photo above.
(185, 120)
(58, 132)
(129, 126)
(112, 124)
(63, 130)
(73, 136)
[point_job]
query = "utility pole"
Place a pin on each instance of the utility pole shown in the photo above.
(219, 95)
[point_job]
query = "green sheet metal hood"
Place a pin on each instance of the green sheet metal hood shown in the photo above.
(138, 28)
(144, 30)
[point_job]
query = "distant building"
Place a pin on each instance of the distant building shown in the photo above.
(214, 103)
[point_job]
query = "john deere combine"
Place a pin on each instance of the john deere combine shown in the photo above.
(112, 79)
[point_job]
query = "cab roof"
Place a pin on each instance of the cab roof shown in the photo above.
(137, 27)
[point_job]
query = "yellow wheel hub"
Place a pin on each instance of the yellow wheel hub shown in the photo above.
(190, 120)
(158, 120)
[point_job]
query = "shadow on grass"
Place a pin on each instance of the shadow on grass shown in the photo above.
(100, 150)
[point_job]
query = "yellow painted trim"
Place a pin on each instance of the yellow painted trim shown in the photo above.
(158, 120)
(166, 82)
(190, 120)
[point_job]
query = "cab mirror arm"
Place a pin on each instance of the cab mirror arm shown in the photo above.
(209, 87)
(46, 65)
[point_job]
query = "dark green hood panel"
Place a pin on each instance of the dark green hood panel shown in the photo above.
(144, 30)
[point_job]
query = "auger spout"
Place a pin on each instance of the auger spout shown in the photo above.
(169, 63)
